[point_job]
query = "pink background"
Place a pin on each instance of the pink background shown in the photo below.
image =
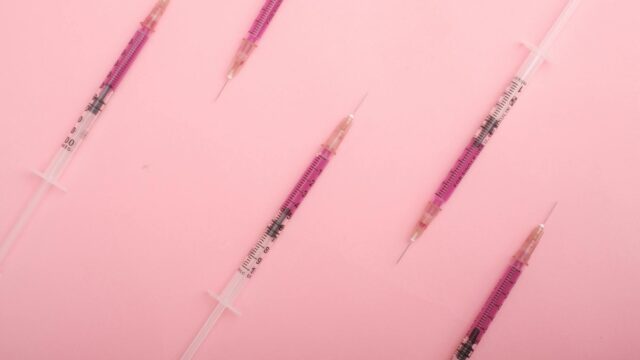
(170, 191)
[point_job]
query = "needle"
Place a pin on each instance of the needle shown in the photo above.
(413, 238)
(404, 252)
(550, 213)
(222, 88)
(353, 113)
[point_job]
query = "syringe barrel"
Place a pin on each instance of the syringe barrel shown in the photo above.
(459, 170)
(308, 179)
(135, 45)
(77, 135)
(263, 20)
(295, 198)
(93, 110)
(128, 56)
(489, 311)
(257, 254)
(83, 125)
(499, 294)
(477, 144)
(263, 246)
(448, 186)
(504, 105)
(288, 208)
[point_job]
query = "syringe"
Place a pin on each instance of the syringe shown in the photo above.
(83, 125)
(489, 126)
(500, 292)
(250, 42)
(263, 246)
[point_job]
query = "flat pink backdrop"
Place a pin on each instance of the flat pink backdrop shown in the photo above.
(171, 190)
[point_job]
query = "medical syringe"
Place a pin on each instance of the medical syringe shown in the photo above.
(250, 42)
(490, 125)
(263, 246)
(500, 292)
(83, 125)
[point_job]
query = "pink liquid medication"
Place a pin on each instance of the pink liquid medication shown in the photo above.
(264, 245)
(250, 42)
(85, 122)
(489, 126)
(500, 293)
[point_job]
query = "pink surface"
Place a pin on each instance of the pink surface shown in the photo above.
(164, 200)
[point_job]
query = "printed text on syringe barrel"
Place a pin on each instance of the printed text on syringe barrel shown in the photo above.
(84, 124)
(263, 20)
(471, 152)
(288, 208)
(489, 311)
